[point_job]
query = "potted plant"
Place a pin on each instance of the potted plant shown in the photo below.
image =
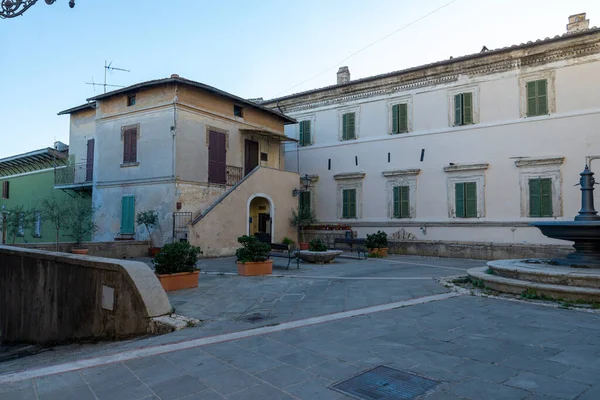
(317, 244)
(318, 253)
(253, 257)
(289, 242)
(57, 213)
(175, 266)
(80, 224)
(149, 219)
(302, 218)
(377, 243)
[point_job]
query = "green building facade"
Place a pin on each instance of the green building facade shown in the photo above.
(25, 181)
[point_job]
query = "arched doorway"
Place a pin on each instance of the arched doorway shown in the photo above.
(261, 213)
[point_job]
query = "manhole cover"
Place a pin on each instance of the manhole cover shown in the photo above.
(386, 383)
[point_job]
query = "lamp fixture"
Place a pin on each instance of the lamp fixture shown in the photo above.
(305, 180)
(14, 8)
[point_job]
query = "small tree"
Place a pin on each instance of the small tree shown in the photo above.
(149, 219)
(302, 218)
(80, 222)
(57, 213)
(252, 250)
(18, 220)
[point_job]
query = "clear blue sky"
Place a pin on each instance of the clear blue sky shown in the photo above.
(252, 48)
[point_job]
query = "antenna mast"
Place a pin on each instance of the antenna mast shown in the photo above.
(107, 67)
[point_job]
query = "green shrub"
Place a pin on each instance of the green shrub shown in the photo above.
(252, 250)
(376, 240)
(287, 241)
(317, 244)
(176, 257)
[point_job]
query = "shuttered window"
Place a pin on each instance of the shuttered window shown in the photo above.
(128, 215)
(5, 186)
(348, 128)
(537, 98)
(129, 145)
(21, 226)
(466, 200)
(305, 137)
(349, 203)
(540, 197)
(400, 118)
(401, 202)
(37, 224)
(463, 109)
(305, 201)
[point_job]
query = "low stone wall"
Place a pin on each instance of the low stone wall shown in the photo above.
(48, 297)
(117, 249)
(327, 236)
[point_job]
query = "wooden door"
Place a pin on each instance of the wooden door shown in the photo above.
(89, 163)
(217, 158)
(251, 156)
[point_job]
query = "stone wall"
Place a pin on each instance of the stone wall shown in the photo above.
(51, 297)
(121, 250)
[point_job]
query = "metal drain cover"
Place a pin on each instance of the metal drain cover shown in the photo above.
(386, 383)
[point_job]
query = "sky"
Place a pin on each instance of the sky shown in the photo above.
(251, 48)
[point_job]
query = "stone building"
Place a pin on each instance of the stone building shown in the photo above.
(467, 149)
(209, 163)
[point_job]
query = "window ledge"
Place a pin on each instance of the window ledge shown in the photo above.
(401, 172)
(466, 167)
(125, 165)
(349, 175)
(534, 162)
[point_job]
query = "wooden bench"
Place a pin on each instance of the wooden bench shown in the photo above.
(355, 244)
(283, 251)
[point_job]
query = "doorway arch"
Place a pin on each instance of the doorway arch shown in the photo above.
(260, 216)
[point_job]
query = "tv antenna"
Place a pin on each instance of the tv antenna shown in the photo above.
(107, 67)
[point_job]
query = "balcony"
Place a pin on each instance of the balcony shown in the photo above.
(73, 176)
(233, 174)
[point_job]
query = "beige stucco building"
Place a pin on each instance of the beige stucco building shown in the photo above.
(468, 149)
(209, 163)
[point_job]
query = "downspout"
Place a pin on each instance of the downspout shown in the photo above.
(174, 131)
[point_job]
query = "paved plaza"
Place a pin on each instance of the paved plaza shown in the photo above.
(297, 333)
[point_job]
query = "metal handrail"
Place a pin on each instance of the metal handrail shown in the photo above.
(78, 173)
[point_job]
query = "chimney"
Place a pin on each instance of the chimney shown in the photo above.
(343, 75)
(577, 22)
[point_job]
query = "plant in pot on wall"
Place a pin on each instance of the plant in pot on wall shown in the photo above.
(377, 243)
(317, 244)
(253, 257)
(80, 225)
(289, 242)
(175, 266)
(303, 217)
(149, 219)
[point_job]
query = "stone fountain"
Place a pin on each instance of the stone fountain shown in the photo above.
(574, 277)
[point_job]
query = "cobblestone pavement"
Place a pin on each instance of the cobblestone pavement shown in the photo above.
(477, 348)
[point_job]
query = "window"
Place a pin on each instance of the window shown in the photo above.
(349, 203)
(463, 109)
(537, 98)
(466, 199)
(304, 137)
(127, 215)
(400, 118)
(130, 100)
(304, 201)
(130, 136)
(37, 224)
(264, 157)
(238, 111)
(348, 128)
(540, 197)
(401, 202)
(5, 190)
(21, 227)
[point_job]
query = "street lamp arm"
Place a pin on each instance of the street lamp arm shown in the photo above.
(14, 8)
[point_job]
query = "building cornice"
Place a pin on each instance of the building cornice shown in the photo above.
(349, 175)
(535, 162)
(401, 172)
(466, 167)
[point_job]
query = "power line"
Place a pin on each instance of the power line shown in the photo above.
(372, 44)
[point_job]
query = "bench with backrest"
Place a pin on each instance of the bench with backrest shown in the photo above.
(284, 251)
(357, 245)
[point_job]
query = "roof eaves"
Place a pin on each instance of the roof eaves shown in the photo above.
(78, 108)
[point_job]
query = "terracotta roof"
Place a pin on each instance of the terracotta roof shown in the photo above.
(211, 89)
(78, 108)
(482, 54)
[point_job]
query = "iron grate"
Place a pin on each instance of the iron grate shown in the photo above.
(386, 383)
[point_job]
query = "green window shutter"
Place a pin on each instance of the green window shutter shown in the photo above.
(534, 198)
(397, 212)
(403, 118)
(459, 189)
(127, 214)
(531, 99)
(307, 134)
(542, 97)
(471, 200)
(404, 202)
(545, 197)
(305, 201)
(301, 136)
(345, 127)
(351, 128)
(345, 204)
(395, 112)
(467, 108)
(458, 99)
(352, 203)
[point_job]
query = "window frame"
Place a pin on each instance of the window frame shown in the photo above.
(127, 159)
(406, 177)
(345, 181)
(466, 173)
(5, 189)
(238, 111)
(536, 98)
(345, 199)
(341, 113)
(461, 90)
(540, 168)
(302, 200)
(131, 99)
(37, 225)
(550, 77)
(403, 100)
(541, 210)
(464, 211)
(302, 133)
(122, 230)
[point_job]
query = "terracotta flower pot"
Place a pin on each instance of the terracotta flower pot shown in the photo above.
(303, 246)
(380, 252)
(154, 251)
(180, 280)
(255, 268)
(80, 251)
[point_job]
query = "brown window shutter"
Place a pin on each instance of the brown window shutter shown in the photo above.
(5, 190)
(133, 149)
(126, 146)
(129, 146)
